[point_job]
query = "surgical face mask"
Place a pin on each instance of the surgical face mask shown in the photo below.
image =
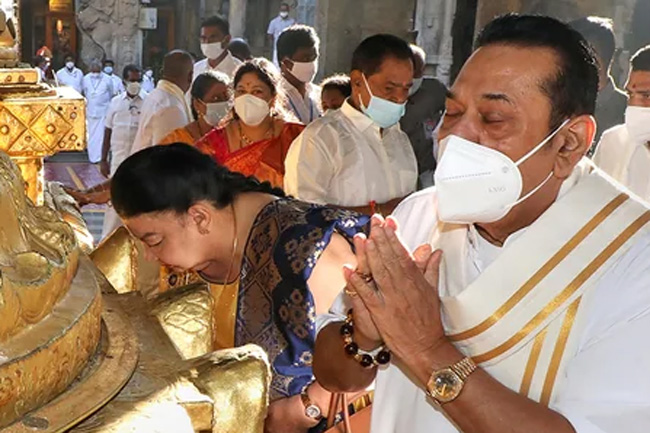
(69, 65)
(476, 184)
(383, 112)
(304, 71)
(149, 74)
(251, 109)
(133, 88)
(637, 122)
(96, 74)
(108, 70)
(215, 111)
(212, 50)
(417, 83)
(284, 14)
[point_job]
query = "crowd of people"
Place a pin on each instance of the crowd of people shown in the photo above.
(512, 296)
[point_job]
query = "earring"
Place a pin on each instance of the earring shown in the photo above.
(203, 231)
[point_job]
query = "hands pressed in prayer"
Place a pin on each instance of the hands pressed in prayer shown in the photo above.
(402, 300)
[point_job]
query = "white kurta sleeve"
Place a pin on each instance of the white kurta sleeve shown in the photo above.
(309, 167)
(165, 121)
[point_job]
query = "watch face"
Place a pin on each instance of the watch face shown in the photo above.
(313, 411)
(445, 385)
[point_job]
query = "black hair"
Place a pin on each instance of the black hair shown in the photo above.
(69, 56)
(239, 48)
(294, 38)
(340, 82)
(641, 60)
(130, 68)
(371, 53)
(39, 60)
(573, 88)
(203, 83)
(173, 178)
(599, 32)
(219, 22)
(109, 61)
(269, 75)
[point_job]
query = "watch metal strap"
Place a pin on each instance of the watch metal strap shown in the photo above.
(464, 368)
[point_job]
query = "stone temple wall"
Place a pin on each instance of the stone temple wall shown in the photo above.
(109, 29)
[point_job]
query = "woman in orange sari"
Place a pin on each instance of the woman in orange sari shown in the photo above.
(211, 99)
(256, 138)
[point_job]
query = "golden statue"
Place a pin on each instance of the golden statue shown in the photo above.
(81, 348)
(8, 51)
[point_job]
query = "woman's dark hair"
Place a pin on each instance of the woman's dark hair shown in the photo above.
(269, 75)
(202, 85)
(573, 88)
(174, 178)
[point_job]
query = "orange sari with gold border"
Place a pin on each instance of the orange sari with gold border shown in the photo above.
(263, 159)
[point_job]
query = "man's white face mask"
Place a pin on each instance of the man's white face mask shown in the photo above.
(476, 184)
(637, 122)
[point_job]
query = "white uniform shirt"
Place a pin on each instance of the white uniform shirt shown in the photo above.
(72, 78)
(625, 160)
(277, 26)
(123, 119)
(227, 66)
(98, 91)
(118, 85)
(343, 159)
(307, 108)
(148, 84)
(164, 110)
(606, 388)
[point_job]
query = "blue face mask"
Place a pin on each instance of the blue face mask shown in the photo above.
(382, 111)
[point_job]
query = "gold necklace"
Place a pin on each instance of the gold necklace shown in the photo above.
(243, 138)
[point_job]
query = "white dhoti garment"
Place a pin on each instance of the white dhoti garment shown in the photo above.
(95, 138)
(548, 316)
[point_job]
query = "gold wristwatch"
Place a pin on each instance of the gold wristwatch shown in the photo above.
(445, 385)
(311, 409)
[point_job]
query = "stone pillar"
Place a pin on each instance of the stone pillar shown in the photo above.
(109, 29)
(433, 21)
(237, 18)
(343, 24)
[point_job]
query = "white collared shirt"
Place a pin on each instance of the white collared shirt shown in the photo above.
(344, 159)
(162, 112)
(307, 108)
(625, 160)
(98, 91)
(118, 85)
(72, 78)
(123, 119)
(228, 66)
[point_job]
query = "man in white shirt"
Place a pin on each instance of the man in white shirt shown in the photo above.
(215, 37)
(358, 157)
(148, 81)
(70, 75)
(166, 108)
(122, 121)
(624, 150)
(533, 315)
(109, 69)
(298, 55)
(98, 90)
(277, 26)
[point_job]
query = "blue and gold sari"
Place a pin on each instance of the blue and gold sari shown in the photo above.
(275, 308)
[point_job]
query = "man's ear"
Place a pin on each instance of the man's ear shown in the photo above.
(226, 41)
(574, 142)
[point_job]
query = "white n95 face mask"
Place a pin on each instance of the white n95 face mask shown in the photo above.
(251, 109)
(637, 123)
(304, 71)
(212, 50)
(477, 184)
